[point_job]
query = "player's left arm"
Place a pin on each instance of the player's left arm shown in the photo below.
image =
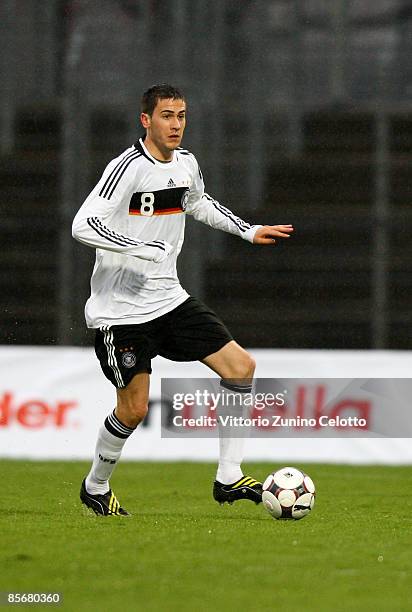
(206, 209)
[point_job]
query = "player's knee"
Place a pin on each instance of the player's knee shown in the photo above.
(248, 365)
(243, 368)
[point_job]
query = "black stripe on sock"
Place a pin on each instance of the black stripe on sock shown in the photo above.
(116, 427)
(116, 422)
(114, 431)
(237, 388)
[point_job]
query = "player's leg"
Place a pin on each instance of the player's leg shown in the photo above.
(124, 353)
(132, 401)
(236, 368)
(130, 410)
(193, 332)
(232, 362)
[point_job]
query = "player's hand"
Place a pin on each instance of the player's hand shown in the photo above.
(267, 234)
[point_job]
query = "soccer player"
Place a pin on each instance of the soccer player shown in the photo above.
(135, 219)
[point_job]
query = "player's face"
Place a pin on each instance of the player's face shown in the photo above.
(166, 125)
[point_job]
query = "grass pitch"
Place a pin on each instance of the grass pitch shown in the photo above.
(182, 551)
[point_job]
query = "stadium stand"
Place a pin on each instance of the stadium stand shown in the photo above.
(317, 151)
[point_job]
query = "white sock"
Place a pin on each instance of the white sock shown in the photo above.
(230, 458)
(110, 441)
(231, 447)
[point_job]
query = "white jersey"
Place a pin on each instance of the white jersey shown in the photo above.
(135, 218)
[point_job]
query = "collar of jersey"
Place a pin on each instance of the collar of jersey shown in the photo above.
(139, 145)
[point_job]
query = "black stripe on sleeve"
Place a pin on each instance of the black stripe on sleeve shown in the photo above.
(242, 225)
(121, 174)
(114, 171)
(111, 236)
(118, 175)
(126, 240)
(92, 222)
(225, 210)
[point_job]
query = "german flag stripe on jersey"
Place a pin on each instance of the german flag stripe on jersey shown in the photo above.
(169, 201)
(170, 211)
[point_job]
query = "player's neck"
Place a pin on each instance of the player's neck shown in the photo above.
(161, 154)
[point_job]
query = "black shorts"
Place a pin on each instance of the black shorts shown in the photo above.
(190, 332)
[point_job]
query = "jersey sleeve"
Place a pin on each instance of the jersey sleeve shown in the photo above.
(91, 225)
(209, 211)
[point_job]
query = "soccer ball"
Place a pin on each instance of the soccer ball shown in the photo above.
(288, 494)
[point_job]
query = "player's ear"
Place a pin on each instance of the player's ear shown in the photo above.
(145, 120)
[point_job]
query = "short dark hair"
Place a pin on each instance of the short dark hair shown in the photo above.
(159, 92)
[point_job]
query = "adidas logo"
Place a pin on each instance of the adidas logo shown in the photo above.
(171, 183)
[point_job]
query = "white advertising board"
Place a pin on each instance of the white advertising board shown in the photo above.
(53, 400)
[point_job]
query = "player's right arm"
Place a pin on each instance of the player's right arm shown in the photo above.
(91, 225)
